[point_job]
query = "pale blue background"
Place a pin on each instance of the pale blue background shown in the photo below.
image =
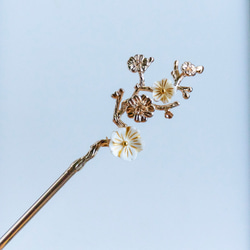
(60, 62)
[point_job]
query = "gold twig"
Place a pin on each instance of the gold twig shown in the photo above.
(116, 116)
(167, 106)
(176, 74)
(168, 114)
(138, 88)
(91, 153)
(184, 91)
(142, 80)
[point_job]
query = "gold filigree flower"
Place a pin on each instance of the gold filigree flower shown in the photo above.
(126, 143)
(188, 69)
(140, 108)
(163, 90)
(139, 63)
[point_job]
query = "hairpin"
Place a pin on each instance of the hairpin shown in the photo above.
(125, 142)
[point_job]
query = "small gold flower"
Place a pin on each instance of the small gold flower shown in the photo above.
(125, 143)
(188, 69)
(163, 90)
(139, 63)
(140, 108)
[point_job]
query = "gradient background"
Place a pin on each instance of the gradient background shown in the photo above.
(60, 63)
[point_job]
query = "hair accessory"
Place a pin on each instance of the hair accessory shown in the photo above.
(126, 141)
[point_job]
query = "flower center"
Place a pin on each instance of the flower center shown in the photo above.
(140, 109)
(163, 91)
(125, 143)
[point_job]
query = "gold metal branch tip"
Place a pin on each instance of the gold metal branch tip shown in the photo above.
(125, 142)
(199, 69)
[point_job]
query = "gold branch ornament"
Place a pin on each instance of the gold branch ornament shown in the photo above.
(126, 141)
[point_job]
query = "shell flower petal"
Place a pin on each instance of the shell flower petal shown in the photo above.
(163, 90)
(126, 143)
(128, 153)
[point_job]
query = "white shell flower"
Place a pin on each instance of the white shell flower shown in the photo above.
(163, 90)
(126, 143)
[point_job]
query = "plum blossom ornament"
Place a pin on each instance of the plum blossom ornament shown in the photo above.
(139, 63)
(163, 90)
(140, 108)
(125, 143)
(188, 69)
